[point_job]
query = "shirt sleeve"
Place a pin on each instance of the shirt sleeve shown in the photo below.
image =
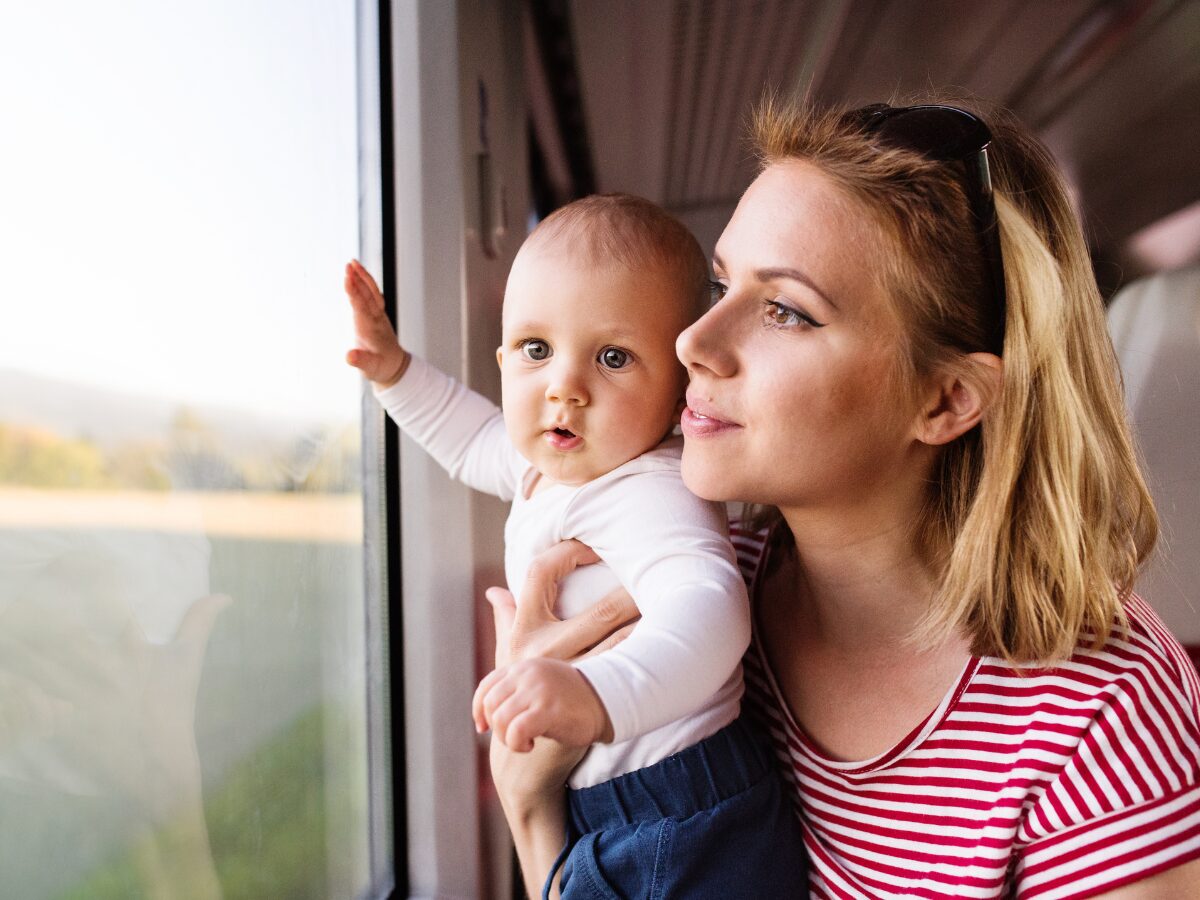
(670, 550)
(462, 430)
(1126, 803)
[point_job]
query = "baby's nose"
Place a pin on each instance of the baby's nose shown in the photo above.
(568, 388)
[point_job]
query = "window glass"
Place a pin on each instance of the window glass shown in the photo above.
(183, 641)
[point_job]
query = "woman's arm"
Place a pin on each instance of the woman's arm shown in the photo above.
(530, 785)
(1181, 881)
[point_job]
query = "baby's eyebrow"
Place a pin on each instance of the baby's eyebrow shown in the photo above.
(524, 328)
(601, 334)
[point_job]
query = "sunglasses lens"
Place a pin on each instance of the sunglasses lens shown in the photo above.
(936, 132)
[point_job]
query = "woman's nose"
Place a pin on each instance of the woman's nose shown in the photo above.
(567, 386)
(706, 345)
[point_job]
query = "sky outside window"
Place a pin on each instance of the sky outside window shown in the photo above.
(161, 230)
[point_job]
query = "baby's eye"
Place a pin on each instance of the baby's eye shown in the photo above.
(535, 350)
(716, 290)
(613, 358)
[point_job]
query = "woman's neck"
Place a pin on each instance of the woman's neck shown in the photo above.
(833, 620)
(859, 579)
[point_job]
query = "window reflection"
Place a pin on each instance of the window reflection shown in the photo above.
(183, 637)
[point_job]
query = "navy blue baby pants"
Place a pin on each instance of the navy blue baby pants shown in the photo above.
(712, 821)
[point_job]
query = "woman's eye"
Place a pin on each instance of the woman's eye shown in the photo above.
(535, 350)
(779, 314)
(614, 358)
(716, 290)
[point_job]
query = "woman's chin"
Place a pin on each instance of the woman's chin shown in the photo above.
(709, 481)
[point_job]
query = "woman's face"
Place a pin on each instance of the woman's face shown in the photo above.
(791, 399)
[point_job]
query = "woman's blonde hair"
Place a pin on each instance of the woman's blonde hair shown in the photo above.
(1038, 520)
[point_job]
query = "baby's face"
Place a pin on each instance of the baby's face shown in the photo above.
(588, 367)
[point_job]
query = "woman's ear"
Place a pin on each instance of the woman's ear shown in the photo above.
(957, 398)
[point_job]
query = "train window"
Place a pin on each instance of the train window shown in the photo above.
(187, 669)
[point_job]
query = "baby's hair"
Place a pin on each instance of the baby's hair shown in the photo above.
(631, 232)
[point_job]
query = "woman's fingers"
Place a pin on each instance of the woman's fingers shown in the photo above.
(548, 568)
(569, 638)
(596, 624)
(525, 635)
(612, 640)
(536, 630)
(531, 629)
(504, 612)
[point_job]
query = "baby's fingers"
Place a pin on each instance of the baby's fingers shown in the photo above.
(478, 710)
(361, 286)
(365, 360)
(370, 318)
(521, 731)
(516, 723)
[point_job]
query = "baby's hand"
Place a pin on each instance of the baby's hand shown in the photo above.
(379, 355)
(540, 698)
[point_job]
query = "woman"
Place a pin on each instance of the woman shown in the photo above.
(966, 698)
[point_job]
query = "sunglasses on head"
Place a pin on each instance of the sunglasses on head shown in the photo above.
(949, 134)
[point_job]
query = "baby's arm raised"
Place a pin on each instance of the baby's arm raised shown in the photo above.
(378, 355)
(459, 428)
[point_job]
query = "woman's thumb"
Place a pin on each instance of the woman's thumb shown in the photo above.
(504, 613)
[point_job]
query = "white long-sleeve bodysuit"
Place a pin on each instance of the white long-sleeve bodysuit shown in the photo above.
(677, 678)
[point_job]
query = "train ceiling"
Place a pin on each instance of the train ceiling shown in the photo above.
(1112, 86)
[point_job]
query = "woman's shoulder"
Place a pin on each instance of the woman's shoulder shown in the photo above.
(1131, 705)
(1143, 656)
(750, 544)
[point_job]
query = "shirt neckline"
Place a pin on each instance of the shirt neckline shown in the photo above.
(905, 745)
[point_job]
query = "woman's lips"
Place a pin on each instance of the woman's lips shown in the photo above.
(701, 423)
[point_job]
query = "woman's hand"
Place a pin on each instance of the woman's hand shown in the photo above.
(531, 784)
(533, 630)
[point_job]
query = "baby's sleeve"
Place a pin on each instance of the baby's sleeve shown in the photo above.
(462, 430)
(671, 551)
(1125, 804)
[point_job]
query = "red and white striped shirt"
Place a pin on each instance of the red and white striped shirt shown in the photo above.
(1054, 783)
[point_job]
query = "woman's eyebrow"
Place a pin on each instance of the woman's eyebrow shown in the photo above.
(775, 272)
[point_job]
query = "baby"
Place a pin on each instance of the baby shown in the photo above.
(591, 391)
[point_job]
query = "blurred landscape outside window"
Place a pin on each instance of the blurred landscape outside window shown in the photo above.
(183, 628)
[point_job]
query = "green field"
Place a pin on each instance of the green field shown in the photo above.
(279, 719)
